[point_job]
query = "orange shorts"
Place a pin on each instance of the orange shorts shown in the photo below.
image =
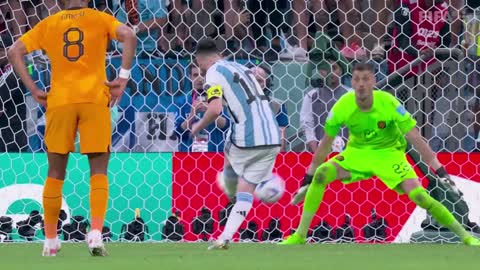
(91, 120)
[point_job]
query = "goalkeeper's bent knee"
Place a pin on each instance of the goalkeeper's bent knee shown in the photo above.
(325, 174)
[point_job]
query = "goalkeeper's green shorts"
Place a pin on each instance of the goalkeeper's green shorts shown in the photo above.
(389, 165)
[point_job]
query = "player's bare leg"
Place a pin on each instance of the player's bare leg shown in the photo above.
(98, 201)
(420, 197)
(324, 175)
(228, 180)
(240, 210)
(52, 201)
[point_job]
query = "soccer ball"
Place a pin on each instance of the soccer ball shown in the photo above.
(271, 190)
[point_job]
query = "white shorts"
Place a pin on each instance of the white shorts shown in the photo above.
(254, 165)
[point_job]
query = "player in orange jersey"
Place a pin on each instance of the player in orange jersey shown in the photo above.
(76, 40)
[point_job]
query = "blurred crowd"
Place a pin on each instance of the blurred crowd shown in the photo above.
(266, 29)
(397, 36)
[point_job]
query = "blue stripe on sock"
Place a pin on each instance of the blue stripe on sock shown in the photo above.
(244, 197)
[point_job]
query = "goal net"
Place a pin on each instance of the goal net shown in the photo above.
(163, 181)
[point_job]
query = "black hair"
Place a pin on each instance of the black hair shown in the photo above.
(206, 46)
(364, 66)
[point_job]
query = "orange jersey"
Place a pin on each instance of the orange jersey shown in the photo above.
(76, 43)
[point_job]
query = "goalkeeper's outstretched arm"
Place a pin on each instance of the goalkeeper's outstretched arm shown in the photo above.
(428, 156)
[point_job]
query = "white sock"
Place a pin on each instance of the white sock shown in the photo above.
(51, 242)
(237, 216)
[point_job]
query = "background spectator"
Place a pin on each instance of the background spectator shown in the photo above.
(270, 19)
(250, 233)
(326, 12)
(106, 234)
(6, 229)
(237, 24)
(322, 232)
(317, 103)
(173, 229)
(76, 230)
(102, 5)
(37, 10)
(135, 231)
(13, 21)
(264, 77)
(376, 230)
(345, 232)
(418, 28)
(212, 139)
(27, 228)
(273, 232)
(13, 109)
(146, 17)
(382, 16)
(472, 46)
(203, 224)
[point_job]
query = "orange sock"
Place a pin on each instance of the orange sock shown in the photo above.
(98, 200)
(52, 203)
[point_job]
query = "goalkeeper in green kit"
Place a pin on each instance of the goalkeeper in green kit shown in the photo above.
(378, 125)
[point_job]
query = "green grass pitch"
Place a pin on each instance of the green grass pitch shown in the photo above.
(245, 257)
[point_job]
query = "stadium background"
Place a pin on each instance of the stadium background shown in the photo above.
(147, 171)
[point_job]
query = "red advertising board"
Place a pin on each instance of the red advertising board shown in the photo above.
(194, 187)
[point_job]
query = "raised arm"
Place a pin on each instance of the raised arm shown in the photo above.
(308, 124)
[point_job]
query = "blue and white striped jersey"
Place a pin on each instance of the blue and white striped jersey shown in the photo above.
(254, 122)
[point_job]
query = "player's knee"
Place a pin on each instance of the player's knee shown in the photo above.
(98, 163)
(56, 173)
(325, 174)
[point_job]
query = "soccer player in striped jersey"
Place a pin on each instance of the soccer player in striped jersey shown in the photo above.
(253, 141)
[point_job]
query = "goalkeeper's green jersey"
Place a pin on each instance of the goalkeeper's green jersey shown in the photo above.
(382, 127)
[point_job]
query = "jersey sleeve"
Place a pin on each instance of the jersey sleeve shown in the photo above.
(111, 24)
(213, 85)
(33, 39)
(334, 121)
(401, 116)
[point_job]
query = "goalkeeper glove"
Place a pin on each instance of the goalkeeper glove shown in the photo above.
(299, 195)
(447, 181)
